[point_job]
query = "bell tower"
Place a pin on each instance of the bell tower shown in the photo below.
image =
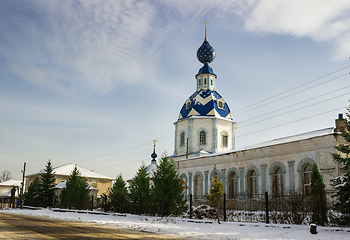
(205, 119)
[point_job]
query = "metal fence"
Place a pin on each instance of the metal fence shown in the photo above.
(290, 208)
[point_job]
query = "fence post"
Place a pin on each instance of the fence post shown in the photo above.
(191, 206)
(321, 206)
(267, 207)
(92, 202)
(224, 207)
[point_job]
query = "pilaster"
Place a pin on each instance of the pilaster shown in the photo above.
(291, 176)
(190, 135)
(241, 180)
(263, 177)
(190, 183)
(214, 147)
(223, 178)
(206, 174)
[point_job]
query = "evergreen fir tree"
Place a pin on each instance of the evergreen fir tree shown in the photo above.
(168, 189)
(318, 192)
(76, 193)
(342, 183)
(140, 188)
(47, 182)
(118, 195)
(32, 196)
(216, 193)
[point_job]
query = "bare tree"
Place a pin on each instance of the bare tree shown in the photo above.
(5, 176)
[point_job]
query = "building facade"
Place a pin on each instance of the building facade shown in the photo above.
(62, 173)
(205, 147)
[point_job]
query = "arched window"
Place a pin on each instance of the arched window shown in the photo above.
(211, 81)
(199, 82)
(232, 185)
(202, 138)
(224, 140)
(251, 184)
(221, 105)
(278, 182)
(306, 178)
(205, 81)
(182, 139)
(198, 187)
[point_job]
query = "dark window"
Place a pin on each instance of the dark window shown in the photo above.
(202, 138)
(278, 183)
(306, 178)
(182, 139)
(232, 185)
(224, 140)
(252, 184)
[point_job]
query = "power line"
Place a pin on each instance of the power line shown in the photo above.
(126, 156)
(293, 94)
(290, 122)
(292, 88)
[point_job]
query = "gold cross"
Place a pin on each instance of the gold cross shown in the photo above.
(154, 141)
(205, 22)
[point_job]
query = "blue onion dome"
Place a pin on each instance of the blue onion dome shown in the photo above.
(154, 155)
(206, 52)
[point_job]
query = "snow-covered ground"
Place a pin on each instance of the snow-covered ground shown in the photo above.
(201, 229)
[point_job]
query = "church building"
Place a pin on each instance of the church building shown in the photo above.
(205, 147)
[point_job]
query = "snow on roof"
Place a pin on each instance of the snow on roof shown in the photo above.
(11, 183)
(62, 185)
(8, 194)
(293, 138)
(66, 170)
(151, 169)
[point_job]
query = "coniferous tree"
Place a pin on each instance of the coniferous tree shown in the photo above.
(118, 195)
(47, 182)
(167, 194)
(32, 196)
(140, 189)
(342, 183)
(76, 193)
(318, 193)
(216, 193)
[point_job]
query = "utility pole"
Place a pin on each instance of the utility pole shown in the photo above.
(24, 173)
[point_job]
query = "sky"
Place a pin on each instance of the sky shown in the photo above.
(94, 82)
(192, 229)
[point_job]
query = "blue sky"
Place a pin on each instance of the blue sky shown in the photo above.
(94, 82)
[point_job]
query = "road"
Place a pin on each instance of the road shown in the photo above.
(14, 226)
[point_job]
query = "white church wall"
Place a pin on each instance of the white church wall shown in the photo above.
(289, 156)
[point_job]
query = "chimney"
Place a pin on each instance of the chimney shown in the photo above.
(340, 123)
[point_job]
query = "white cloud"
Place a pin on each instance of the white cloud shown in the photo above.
(69, 45)
(320, 20)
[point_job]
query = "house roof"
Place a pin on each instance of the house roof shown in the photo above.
(66, 170)
(11, 183)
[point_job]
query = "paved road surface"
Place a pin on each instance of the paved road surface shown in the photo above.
(13, 226)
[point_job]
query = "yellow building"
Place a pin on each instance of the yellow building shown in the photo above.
(62, 173)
